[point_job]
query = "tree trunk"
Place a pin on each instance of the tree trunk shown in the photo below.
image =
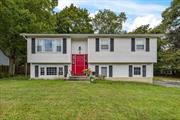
(11, 66)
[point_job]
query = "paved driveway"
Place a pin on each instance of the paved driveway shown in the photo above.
(167, 83)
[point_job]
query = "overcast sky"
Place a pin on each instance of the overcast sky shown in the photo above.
(139, 12)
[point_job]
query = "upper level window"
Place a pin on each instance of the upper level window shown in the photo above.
(104, 44)
(39, 46)
(49, 46)
(140, 45)
(58, 46)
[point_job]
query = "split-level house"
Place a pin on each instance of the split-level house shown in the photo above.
(116, 56)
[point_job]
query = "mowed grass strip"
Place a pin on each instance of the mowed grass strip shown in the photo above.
(104, 100)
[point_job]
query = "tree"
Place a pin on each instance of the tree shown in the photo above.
(174, 37)
(157, 30)
(107, 22)
(74, 20)
(19, 16)
(142, 29)
(170, 56)
(171, 23)
(145, 29)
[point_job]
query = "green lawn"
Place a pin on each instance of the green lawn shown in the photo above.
(64, 100)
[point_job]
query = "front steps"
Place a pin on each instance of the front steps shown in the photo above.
(78, 78)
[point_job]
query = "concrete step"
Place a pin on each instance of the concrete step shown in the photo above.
(78, 78)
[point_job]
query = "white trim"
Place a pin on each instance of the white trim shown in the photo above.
(45, 71)
(104, 41)
(100, 72)
(143, 43)
(106, 70)
(54, 45)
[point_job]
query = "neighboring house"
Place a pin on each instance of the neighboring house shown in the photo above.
(4, 60)
(118, 57)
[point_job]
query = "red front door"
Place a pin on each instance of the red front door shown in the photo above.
(79, 63)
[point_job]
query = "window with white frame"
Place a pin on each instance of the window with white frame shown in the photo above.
(105, 44)
(42, 71)
(51, 71)
(60, 70)
(49, 45)
(137, 70)
(104, 71)
(39, 46)
(58, 46)
(140, 44)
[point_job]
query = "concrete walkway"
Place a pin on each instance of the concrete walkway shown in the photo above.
(167, 83)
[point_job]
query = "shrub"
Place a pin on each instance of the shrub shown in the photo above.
(4, 75)
(101, 77)
(87, 72)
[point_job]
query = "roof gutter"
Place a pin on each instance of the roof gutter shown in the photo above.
(23, 35)
(92, 35)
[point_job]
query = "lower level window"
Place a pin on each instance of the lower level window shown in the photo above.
(137, 70)
(104, 71)
(51, 71)
(42, 71)
(60, 70)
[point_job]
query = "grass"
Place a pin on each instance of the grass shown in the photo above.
(22, 99)
(166, 78)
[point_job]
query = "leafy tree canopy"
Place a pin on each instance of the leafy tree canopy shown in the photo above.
(22, 16)
(142, 29)
(74, 20)
(171, 23)
(107, 22)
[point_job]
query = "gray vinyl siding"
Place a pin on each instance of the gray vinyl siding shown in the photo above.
(49, 57)
(122, 52)
(122, 70)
